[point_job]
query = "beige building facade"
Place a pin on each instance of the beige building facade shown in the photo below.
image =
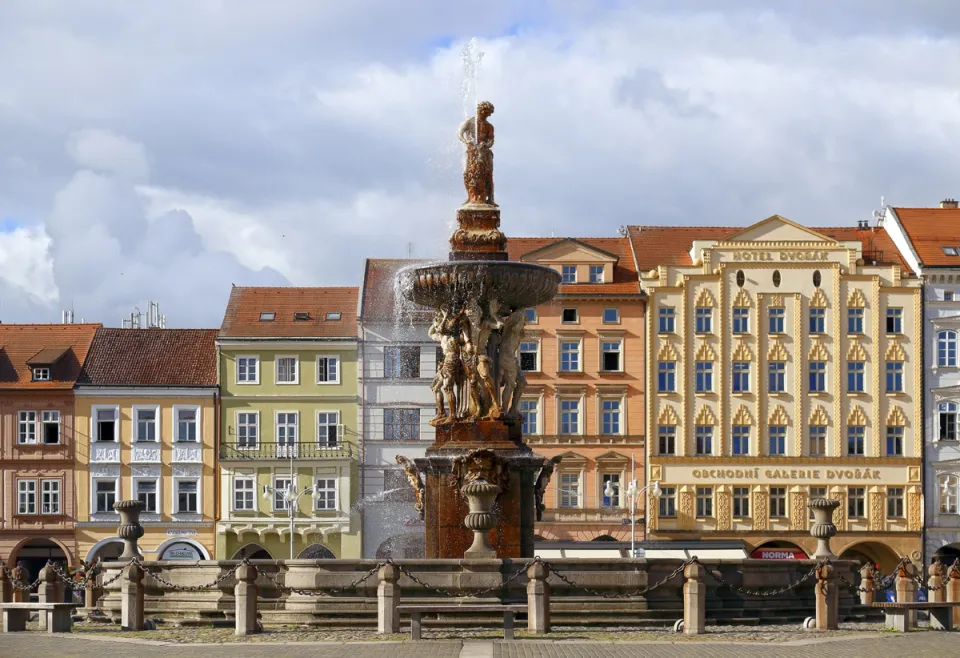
(785, 364)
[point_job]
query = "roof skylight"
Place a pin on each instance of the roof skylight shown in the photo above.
(268, 316)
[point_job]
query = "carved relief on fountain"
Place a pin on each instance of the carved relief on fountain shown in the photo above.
(416, 482)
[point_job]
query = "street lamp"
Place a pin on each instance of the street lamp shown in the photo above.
(290, 497)
(633, 495)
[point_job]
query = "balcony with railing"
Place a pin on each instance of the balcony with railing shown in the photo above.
(273, 450)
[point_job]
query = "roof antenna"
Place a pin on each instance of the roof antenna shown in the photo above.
(878, 215)
(409, 250)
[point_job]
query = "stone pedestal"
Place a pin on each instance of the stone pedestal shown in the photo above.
(6, 588)
(130, 530)
(245, 601)
(694, 600)
(445, 507)
(936, 592)
(388, 597)
(906, 586)
(867, 585)
(953, 590)
(478, 235)
(19, 580)
(47, 592)
(131, 598)
(827, 596)
(538, 599)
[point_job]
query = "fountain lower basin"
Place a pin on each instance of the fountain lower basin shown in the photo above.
(517, 285)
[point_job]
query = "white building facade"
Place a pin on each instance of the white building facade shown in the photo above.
(929, 240)
(397, 364)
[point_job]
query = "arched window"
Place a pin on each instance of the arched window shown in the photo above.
(947, 421)
(947, 348)
(947, 489)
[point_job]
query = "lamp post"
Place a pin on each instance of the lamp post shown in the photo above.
(290, 497)
(633, 495)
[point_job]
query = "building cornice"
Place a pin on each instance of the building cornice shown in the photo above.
(86, 390)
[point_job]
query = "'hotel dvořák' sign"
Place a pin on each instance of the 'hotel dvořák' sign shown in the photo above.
(784, 256)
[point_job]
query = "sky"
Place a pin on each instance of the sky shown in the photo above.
(164, 151)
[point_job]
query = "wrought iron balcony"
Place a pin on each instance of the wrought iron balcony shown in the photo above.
(272, 450)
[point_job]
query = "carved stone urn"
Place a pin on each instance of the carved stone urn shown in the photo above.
(130, 529)
(480, 519)
(823, 528)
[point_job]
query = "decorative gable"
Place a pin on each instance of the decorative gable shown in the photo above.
(818, 300)
(895, 352)
(668, 416)
(742, 299)
(777, 352)
(856, 299)
(668, 353)
(819, 416)
(705, 299)
(857, 417)
(705, 416)
(818, 352)
(779, 416)
(742, 416)
(742, 352)
(705, 352)
(778, 229)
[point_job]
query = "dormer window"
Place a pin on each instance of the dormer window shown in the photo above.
(301, 316)
(596, 274)
(951, 251)
(41, 374)
(268, 316)
(334, 316)
(569, 273)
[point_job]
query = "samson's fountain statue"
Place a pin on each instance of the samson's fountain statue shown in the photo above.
(479, 488)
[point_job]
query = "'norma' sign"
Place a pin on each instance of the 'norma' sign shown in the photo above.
(778, 554)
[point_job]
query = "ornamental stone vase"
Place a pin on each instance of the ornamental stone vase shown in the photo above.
(823, 528)
(130, 529)
(480, 519)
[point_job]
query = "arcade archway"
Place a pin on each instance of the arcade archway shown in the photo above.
(879, 555)
(252, 552)
(948, 554)
(33, 555)
(316, 552)
(778, 550)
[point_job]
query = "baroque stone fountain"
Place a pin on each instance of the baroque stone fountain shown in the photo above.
(479, 488)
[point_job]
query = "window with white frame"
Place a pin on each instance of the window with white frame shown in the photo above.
(703, 320)
(186, 419)
(610, 355)
(855, 321)
(325, 493)
(741, 320)
(741, 376)
(894, 320)
(530, 413)
(105, 495)
(26, 496)
(27, 427)
(569, 316)
(287, 425)
(596, 274)
(667, 317)
(611, 315)
(49, 496)
(856, 371)
(777, 376)
(569, 490)
(818, 440)
(568, 273)
(894, 440)
(288, 370)
(947, 421)
(667, 376)
(280, 486)
(704, 376)
(530, 356)
(776, 316)
(856, 440)
(704, 439)
(777, 435)
(613, 480)
(50, 427)
(818, 320)
(248, 369)
(570, 416)
(248, 429)
(530, 315)
(946, 349)
(244, 494)
(569, 355)
(188, 501)
(146, 423)
(894, 376)
(667, 439)
(948, 489)
(41, 374)
(741, 439)
(401, 424)
(328, 369)
(818, 376)
(328, 432)
(146, 493)
(611, 416)
(105, 424)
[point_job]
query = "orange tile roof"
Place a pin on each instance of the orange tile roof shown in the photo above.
(152, 357)
(21, 342)
(242, 318)
(931, 229)
(378, 296)
(670, 245)
(625, 281)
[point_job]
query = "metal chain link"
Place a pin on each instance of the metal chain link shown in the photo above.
(623, 595)
(327, 591)
(215, 583)
(78, 584)
(481, 592)
(757, 592)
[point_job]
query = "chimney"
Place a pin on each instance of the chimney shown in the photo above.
(949, 203)
(863, 225)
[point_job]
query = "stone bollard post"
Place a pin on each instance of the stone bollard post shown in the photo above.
(694, 599)
(867, 585)
(47, 591)
(828, 601)
(388, 598)
(538, 598)
(906, 585)
(953, 590)
(245, 599)
(936, 592)
(20, 579)
(6, 588)
(131, 598)
(90, 595)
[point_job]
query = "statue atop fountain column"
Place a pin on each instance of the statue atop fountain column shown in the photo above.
(477, 133)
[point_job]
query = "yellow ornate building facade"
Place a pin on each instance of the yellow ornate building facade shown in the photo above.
(785, 364)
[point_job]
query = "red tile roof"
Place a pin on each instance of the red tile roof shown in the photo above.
(670, 245)
(242, 318)
(19, 343)
(931, 229)
(625, 281)
(378, 297)
(152, 357)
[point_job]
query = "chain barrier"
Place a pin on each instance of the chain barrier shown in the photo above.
(214, 584)
(623, 595)
(77, 582)
(481, 592)
(327, 591)
(758, 592)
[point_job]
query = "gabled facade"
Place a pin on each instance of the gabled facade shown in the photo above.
(583, 359)
(785, 364)
(288, 381)
(39, 435)
(929, 240)
(147, 412)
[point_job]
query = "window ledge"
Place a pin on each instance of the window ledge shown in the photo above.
(855, 336)
(895, 394)
(568, 373)
(703, 333)
(703, 394)
(817, 394)
(666, 334)
(612, 372)
(664, 394)
(856, 394)
(741, 394)
(778, 394)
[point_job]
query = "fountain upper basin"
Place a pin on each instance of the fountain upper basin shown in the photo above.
(517, 285)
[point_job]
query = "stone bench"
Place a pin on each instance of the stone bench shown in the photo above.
(898, 614)
(59, 616)
(417, 611)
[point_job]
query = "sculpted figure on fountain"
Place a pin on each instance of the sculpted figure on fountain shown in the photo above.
(511, 377)
(449, 377)
(477, 134)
